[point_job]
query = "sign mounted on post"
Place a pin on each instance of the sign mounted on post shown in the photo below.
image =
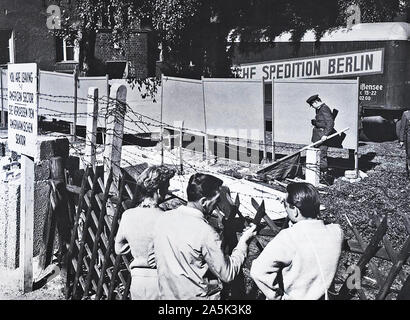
(23, 107)
(337, 65)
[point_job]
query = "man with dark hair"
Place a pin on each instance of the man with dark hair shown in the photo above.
(301, 261)
(323, 126)
(190, 260)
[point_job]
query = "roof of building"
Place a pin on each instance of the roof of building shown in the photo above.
(381, 31)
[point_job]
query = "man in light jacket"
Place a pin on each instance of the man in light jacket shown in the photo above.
(301, 261)
(190, 262)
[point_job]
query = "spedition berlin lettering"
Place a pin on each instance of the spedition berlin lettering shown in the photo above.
(291, 70)
(21, 125)
(320, 66)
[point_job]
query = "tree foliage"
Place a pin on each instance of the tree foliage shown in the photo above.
(193, 33)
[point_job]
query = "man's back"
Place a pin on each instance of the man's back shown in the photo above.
(296, 253)
(313, 241)
(186, 249)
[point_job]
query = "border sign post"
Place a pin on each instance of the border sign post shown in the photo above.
(22, 138)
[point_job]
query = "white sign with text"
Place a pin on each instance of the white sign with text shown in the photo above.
(337, 65)
(22, 102)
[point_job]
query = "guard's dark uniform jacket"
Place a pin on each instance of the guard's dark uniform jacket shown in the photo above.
(323, 122)
(323, 126)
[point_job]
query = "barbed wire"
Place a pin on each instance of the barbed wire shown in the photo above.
(140, 124)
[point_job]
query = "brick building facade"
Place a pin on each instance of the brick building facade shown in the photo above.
(136, 59)
(25, 37)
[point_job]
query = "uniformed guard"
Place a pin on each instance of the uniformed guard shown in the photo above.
(323, 127)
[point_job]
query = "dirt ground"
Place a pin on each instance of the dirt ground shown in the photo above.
(385, 191)
(10, 286)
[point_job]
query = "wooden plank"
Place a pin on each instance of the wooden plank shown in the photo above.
(129, 192)
(100, 254)
(126, 261)
(94, 217)
(390, 251)
(81, 281)
(87, 248)
(110, 246)
(97, 271)
(105, 288)
(101, 184)
(109, 273)
(87, 200)
(87, 268)
(404, 293)
(114, 135)
(271, 166)
(114, 272)
(99, 223)
(98, 201)
(91, 233)
(268, 220)
(121, 277)
(346, 293)
(94, 285)
(402, 257)
(107, 223)
(112, 258)
(127, 288)
(84, 234)
(73, 189)
(354, 246)
(362, 295)
(376, 272)
(74, 263)
(90, 181)
(77, 244)
(73, 128)
(91, 128)
(104, 240)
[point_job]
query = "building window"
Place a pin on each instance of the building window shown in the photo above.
(67, 50)
(6, 46)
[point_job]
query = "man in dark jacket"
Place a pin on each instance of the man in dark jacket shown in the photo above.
(323, 126)
(404, 137)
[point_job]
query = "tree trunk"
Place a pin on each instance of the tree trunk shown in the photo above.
(87, 52)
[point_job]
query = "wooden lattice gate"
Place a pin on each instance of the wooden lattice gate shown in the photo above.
(94, 271)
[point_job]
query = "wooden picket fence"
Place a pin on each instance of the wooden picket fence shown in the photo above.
(379, 247)
(93, 269)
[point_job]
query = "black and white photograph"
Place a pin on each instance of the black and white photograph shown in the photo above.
(219, 152)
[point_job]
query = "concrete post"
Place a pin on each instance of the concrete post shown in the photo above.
(313, 166)
(114, 134)
(27, 222)
(91, 128)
